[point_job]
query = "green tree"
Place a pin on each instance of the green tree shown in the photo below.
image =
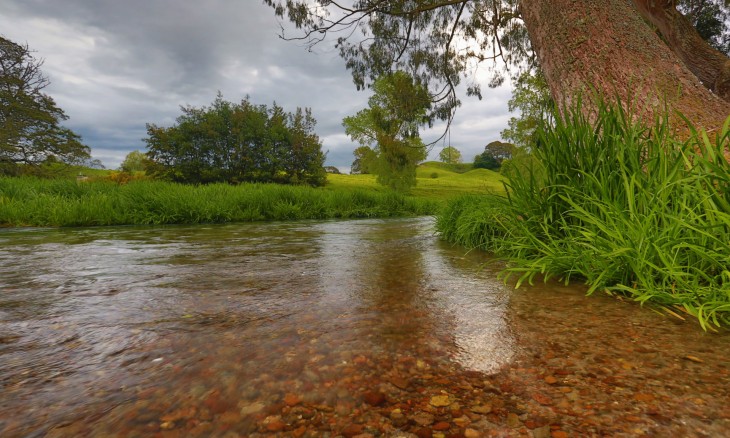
(450, 155)
(531, 97)
(30, 130)
(710, 18)
(238, 142)
(657, 61)
(390, 125)
(365, 160)
(494, 154)
(135, 161)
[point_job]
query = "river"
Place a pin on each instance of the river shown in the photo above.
(338, 328)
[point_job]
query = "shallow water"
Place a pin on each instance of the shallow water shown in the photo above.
(327, 329)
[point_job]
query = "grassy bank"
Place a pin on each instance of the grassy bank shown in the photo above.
(624, 208)
(62, 202)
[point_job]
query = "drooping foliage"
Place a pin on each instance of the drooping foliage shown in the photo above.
(237, 142)
(390, 127)
(30, 121)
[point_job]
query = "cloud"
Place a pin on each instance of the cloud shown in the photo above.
(116, 65)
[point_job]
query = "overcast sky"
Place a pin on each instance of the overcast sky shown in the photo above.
(115, 65)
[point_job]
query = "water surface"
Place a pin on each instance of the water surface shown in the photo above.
(326, 329)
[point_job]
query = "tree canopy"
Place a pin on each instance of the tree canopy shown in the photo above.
(665, 65)
(30, 122)
(495, 153)
(236, 142)
(390, 127)
(450, 155)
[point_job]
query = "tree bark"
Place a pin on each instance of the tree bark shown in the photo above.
(711, 66)
(605, 46)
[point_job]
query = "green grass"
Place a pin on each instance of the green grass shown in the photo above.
(625, 208)
(30, 201)
(447, 184)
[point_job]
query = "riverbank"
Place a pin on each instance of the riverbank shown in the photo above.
(623, 208)
(67, 203)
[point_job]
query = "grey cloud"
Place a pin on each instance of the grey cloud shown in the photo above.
(116, 65)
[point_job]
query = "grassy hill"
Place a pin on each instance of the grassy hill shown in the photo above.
(436, 181)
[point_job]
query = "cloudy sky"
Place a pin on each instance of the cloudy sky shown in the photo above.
(116, 65)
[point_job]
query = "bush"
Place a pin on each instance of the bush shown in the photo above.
(624, 207)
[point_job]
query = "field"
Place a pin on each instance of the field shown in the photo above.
(435, 181)
(110, 198)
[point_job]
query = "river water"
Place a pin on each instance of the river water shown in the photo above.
(342, 328)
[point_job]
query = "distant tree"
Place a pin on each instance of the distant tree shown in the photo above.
(135, 161)
(531, 97)
(450, 155)
(365, 160)
(494, 154)
(332, 170)
(238, 142)
(390, 125)
(30, 131)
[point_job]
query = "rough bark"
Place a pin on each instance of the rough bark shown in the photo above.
(605, 46)
(711, 66)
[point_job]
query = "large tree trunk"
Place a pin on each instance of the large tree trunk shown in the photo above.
(711, 66)
(605, 45)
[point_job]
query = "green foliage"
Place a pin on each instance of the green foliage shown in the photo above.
(450, 155)
(493, 155)
(365, 160)
(531, 97)
(389, 126)
(624, 207)
(135, 161)
(236, 143)
(30, 130)
(710, 18)
(418, 37)
(28, 201)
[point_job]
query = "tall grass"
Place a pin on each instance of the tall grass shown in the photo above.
(624, 207)
(29, 201)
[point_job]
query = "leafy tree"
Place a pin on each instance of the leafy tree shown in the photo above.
(135, 161)
(531, 97)
(332, 169)
(390, 126)
(30, 130)
(655, 60)
(365, 160)
(494, 154)
(710, 18)
(238, 142)
(450, 155)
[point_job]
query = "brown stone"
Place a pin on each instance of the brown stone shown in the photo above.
(441, 425)
(292, 399)
(352, 429)
(374, 398)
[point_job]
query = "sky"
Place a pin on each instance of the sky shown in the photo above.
(115, 66)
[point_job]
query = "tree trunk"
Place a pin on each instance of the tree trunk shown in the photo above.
(711, 66)
(604, 45)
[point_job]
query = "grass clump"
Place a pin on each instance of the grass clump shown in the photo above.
(624, 207)
(27, 201)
